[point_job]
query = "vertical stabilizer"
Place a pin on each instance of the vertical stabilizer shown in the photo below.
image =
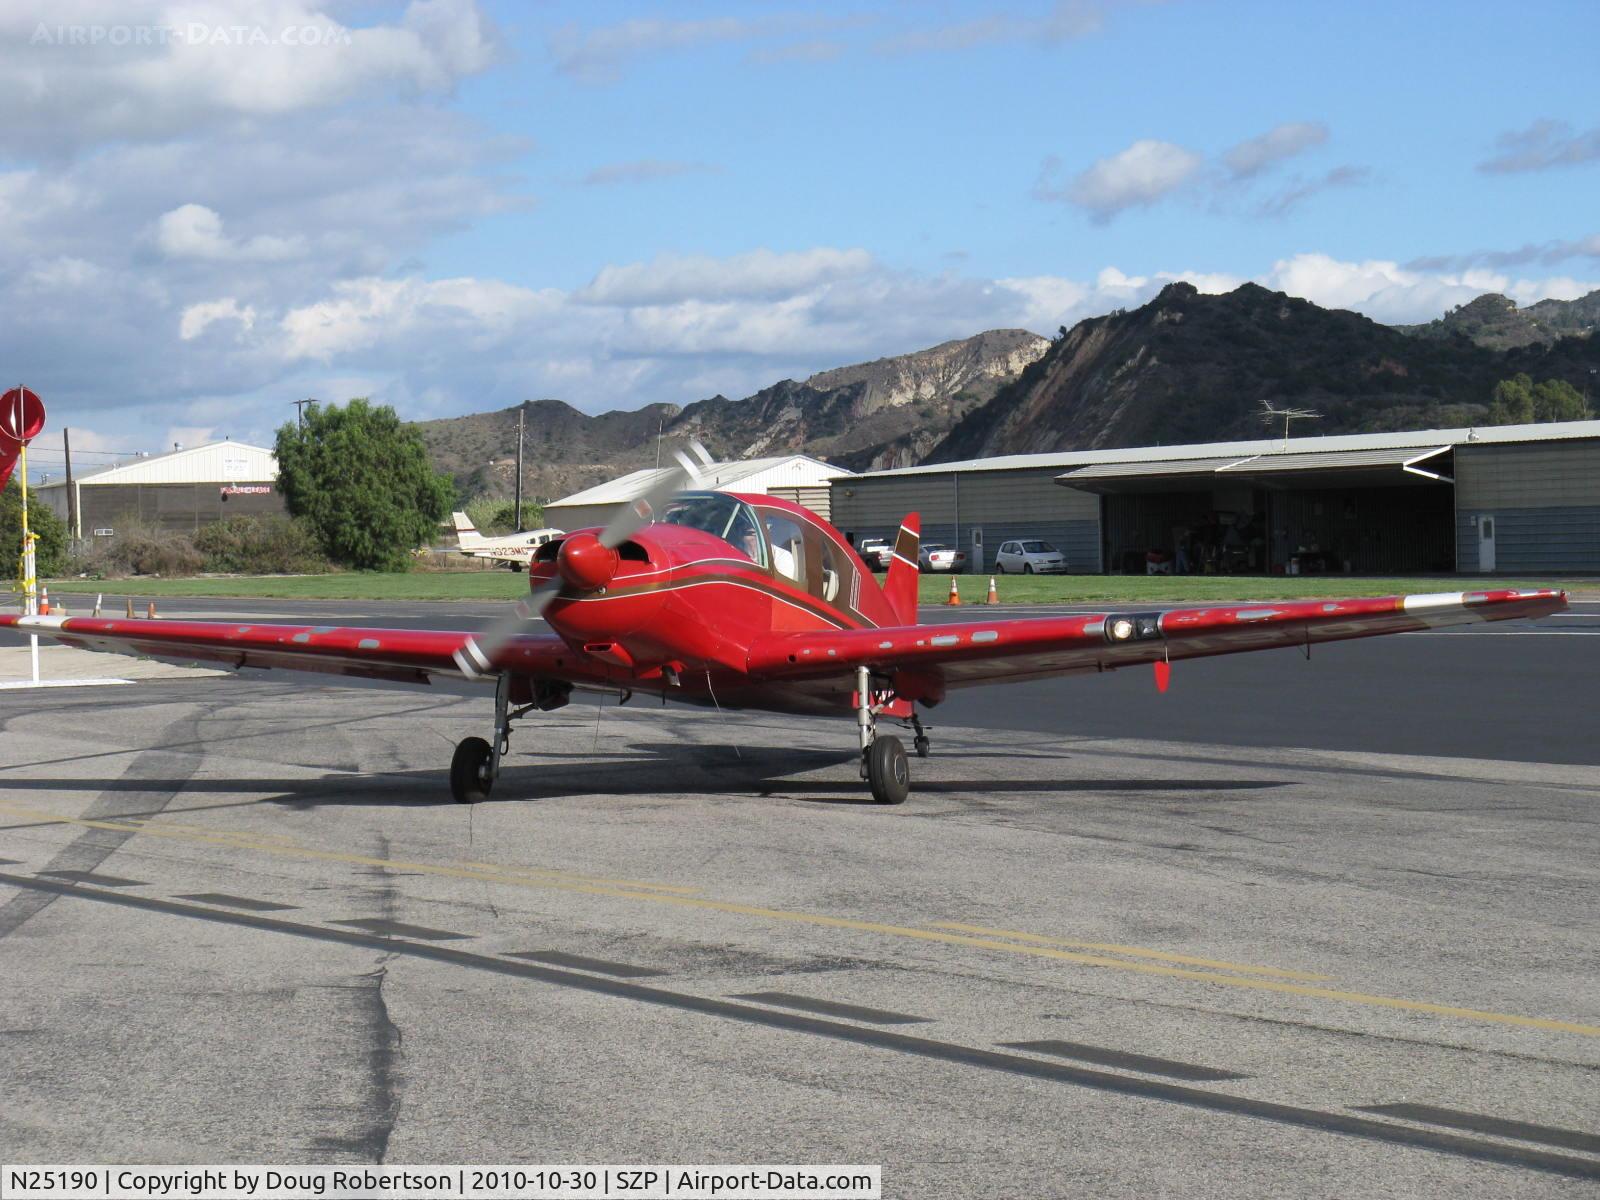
(467, 534)
(900, 587)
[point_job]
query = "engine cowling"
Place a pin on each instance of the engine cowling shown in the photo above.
(585, 563)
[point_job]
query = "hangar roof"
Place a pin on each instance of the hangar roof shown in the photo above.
(1341, 444)
(1375, 466)
(784, 470)
(211, 462)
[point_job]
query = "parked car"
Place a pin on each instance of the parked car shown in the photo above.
(875, 552)
(1029, 556)
(937, 557)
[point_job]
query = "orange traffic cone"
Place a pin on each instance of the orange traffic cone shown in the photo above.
(44, 602)
(150, 612)
(994, 596)
(955, 594)
(130, 606)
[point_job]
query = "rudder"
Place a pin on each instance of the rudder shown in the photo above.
(900, 586)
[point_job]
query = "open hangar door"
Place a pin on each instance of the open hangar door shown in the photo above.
(1367, 512)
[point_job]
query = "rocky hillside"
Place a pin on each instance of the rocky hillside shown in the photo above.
(1188, 367)
(889, 412)
(1496, 323)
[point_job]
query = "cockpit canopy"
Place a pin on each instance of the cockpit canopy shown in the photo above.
(790, 544)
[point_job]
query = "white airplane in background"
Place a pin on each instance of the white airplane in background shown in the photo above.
(514, 549)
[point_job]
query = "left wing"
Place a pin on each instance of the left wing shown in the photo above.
(928, 658)
(407, 655)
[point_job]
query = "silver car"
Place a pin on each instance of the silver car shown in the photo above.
(1029, 556)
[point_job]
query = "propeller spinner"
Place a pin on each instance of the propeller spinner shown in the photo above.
(585, 562)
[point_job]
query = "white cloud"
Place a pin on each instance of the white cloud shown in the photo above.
(758, 273)
(157, 68)
(198, 317)
(1301, 190)
(1252, 157)
(1388, 292)
(1542, 145)
(1140, 175)
(598, 55)
(645, 171)
(1067, 21)
(195, 231)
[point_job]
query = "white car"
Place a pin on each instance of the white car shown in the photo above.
(1029, 557)
(937, 557)
(875, 552)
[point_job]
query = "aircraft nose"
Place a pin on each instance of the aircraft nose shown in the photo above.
(586, 563)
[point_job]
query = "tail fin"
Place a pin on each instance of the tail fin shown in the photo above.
(900, 587)
(466, 533)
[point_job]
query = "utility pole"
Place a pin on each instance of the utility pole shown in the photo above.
(522, 412)
(72, 496)
(300, 412)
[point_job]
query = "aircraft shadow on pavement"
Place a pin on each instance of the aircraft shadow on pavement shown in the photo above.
(640, 769)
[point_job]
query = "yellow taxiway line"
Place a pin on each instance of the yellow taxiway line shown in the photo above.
(820, 920)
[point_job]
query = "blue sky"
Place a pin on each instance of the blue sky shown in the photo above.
(453, 206)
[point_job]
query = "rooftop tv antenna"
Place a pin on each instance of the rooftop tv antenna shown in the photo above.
(1270, 415)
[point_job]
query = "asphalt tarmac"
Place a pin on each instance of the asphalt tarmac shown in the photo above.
(1320, 929)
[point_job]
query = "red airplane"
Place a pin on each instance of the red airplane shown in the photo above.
(752, 602)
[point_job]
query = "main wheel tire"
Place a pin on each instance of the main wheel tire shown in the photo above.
(469, 771)
(516, 568)
(888, 770)
(1027, 568)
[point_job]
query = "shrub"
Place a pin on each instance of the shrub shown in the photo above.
(138, 550)
(267, 545)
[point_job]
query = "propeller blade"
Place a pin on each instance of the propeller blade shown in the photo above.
(476, 658)
(641, 510)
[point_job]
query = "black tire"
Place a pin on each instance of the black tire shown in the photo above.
(888, 770)
(469, 767)
(999, 568)
(922, 746)
(516, 567)
(1027, 568)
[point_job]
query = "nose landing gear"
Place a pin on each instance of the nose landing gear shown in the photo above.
(476, 763)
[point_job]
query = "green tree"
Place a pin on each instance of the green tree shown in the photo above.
(1513, 402)
(50, 551)
(362, 479)
(1558, 400)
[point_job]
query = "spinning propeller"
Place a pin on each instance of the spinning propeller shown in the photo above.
(585, 562)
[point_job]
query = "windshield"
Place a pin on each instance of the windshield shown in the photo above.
(719, 515)
(1037, 548)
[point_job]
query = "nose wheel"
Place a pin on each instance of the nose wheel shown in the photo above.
(471, 779)
(475, 765)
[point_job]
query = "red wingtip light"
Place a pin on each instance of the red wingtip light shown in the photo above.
(585, 563)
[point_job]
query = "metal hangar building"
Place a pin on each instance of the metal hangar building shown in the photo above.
(180, 490)
(1502, 499)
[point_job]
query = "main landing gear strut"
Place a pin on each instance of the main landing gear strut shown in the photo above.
(476, 763)
(884, 764)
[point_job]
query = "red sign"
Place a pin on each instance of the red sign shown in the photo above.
(21, 416)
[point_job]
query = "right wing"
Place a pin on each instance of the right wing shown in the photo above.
(926, 659)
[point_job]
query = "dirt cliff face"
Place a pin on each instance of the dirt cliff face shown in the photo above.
(1188, 367)
(889, 412)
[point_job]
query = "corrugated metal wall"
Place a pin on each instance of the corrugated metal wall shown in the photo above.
(182, 507)
(817, 498)
(1004, 504)
(1545, 499)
